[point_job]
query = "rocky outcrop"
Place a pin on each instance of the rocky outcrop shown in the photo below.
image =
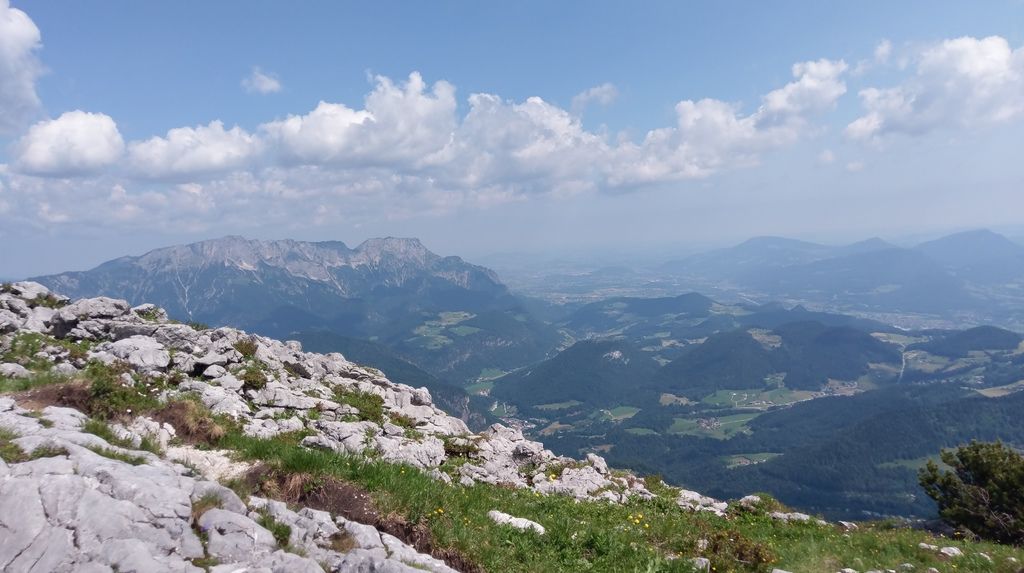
(274, 387)
(79, 503)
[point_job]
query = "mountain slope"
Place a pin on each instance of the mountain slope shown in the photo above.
(392, 290)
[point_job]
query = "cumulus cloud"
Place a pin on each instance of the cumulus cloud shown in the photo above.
(400, 124)
(261, 82)
(882, 51)
(75, 143)
(407, 147)
(603, 94)
(19, 67)
(190, 151)
(712, 134)
(961, 83)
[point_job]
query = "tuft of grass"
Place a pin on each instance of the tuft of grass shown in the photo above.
(253, 377)
(102, 429)
(111, 398)
(281, 532)
(34, 381)
(370, 405)
(204, 504)
(119, 456)
(246, 347)
(149, 314)
(193, 422)
(13, 454)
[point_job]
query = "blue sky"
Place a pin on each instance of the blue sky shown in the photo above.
(480, 128)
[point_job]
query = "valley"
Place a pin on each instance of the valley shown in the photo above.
(761, 381)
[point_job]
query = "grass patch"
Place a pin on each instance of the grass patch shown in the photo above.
(721, 428)
(34, 381)
(246, 347)
(621, 413)
(370, 405)
(25, 345)
(113, 397)
(281, 532)
(13, 454)
(119, 456)
(598, 536)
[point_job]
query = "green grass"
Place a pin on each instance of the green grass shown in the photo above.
(490, 374)
(480, 387)
(370, 406)
(34, 381)
(740, 460)
(728, 426)
(25, 345)
(119, 456)
(281, 532)
(463, 330)
(755, 398)
(597, 536)
(641, 432)
(13, 454)
(621, 413)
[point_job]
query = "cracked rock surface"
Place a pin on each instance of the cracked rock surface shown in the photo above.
(73, 508)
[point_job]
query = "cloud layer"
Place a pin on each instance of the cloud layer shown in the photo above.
(415, 147)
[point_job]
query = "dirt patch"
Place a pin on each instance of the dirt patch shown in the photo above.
(191, 422)
(74, 394)
(352, 502)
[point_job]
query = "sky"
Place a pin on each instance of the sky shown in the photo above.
(482, 128)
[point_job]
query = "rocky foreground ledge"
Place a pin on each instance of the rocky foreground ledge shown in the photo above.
(109, 465)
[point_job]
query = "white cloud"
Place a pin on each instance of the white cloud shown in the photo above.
(188, 151)
(406, 148)
(960, 83)
(826, 157)
(19, 68)
(882, 51)
(75, 143)
(261, 82)
(400, 125)
(603, 94)
(711, 134)
(855, 166)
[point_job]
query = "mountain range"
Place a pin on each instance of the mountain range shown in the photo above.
(726, 394)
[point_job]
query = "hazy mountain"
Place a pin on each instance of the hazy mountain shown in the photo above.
(897, 279)
(965, 278)
(750, 256)
(981, 256)
(441, 313)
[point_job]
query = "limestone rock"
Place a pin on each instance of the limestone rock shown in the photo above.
(516, 522)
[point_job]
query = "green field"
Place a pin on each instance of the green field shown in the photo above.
(482, 387)
(722, 428)
(756, 399)
(1000, 391)
(641, 432)
(620, 413)
(740, 460)
(559, 405)
(433, 334)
